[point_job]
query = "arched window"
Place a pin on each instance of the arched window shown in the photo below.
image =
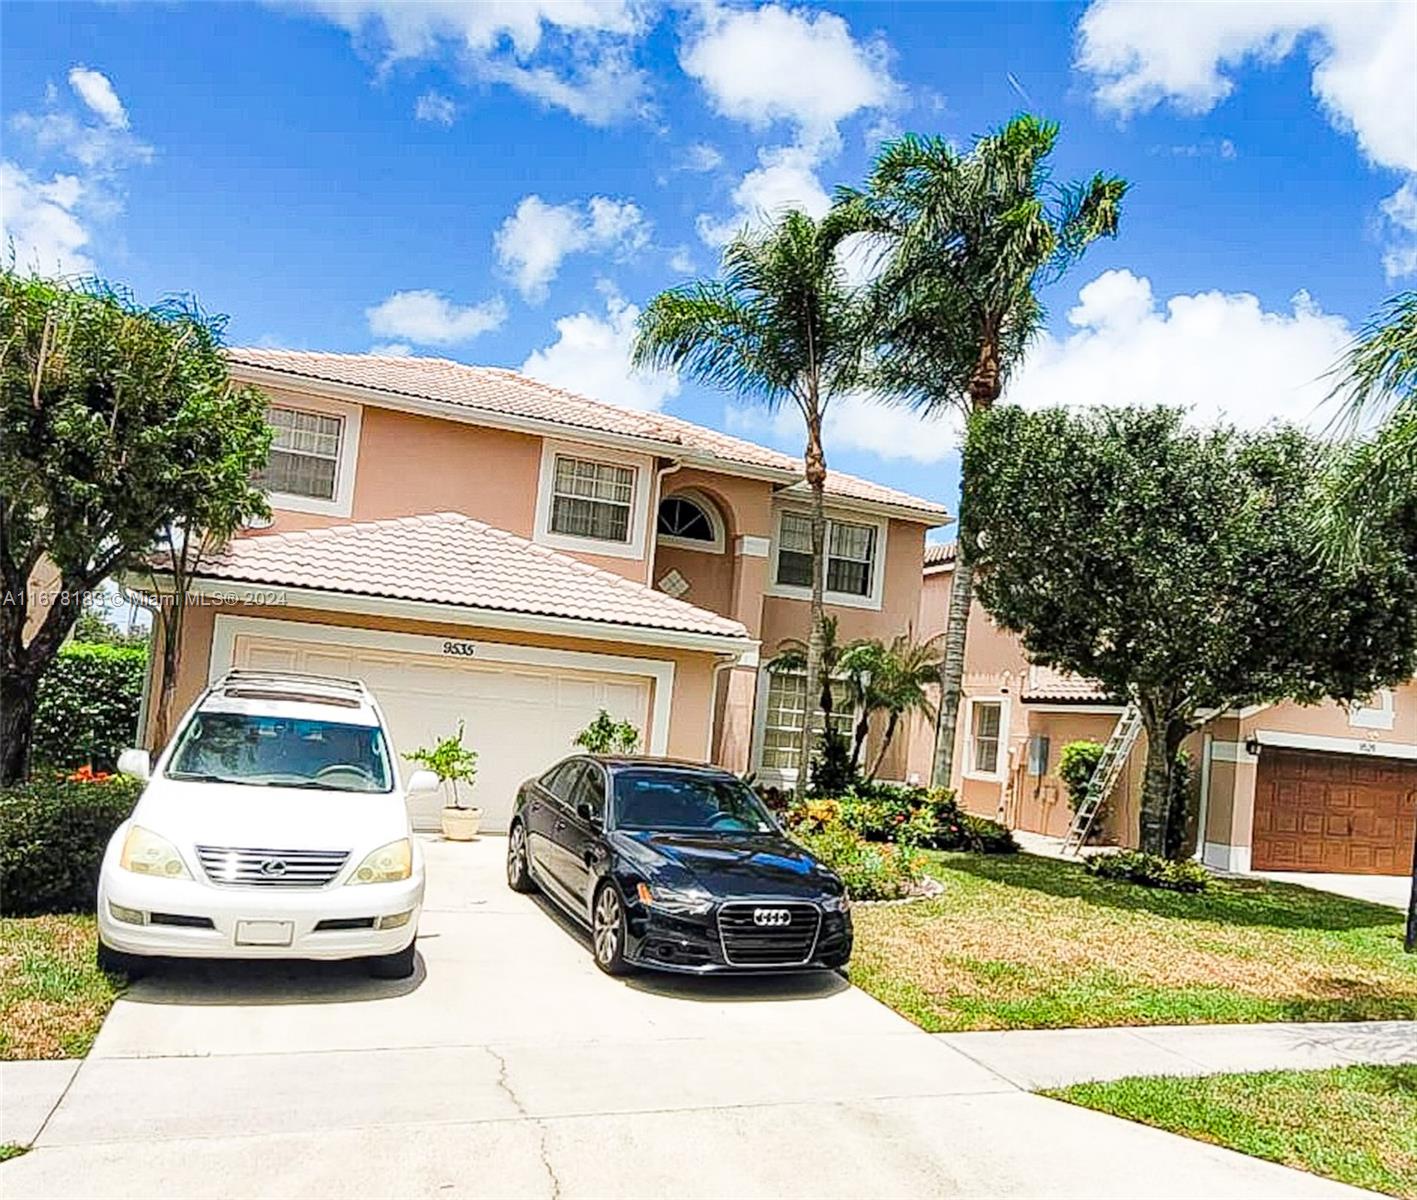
(689, 521)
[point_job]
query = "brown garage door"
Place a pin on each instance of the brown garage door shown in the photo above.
(1334, 812)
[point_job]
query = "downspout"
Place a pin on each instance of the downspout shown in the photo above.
(652, 533)
(723, 663)
(1203, 808)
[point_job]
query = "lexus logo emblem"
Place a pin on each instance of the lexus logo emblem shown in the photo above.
(274, 867)
(771, 916)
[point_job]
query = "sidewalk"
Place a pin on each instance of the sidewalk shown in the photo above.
(1045, 1058)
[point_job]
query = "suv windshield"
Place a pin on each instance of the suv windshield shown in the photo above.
(218, 747)
(655, 799)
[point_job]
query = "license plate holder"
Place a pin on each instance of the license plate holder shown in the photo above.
(265, 933)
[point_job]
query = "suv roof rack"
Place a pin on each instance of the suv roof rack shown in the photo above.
(246, 678)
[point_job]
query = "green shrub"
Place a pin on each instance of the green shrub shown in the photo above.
(984, 836)
(870, 870)
(1151, 870)
(52, 836)
(912, 816)
(831, 772)
(606, 735)
(1076, 764)
(87, 709)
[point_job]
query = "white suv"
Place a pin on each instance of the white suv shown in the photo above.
(272, 826)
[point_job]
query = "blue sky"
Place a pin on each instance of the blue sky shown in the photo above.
(507, 183)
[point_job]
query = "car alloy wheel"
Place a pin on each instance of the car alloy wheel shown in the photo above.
(608, 932)
(518, 872)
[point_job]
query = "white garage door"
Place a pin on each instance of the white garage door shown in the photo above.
(520, 719)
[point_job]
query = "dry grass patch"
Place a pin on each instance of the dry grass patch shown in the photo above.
(1026, 942)
(52, 994)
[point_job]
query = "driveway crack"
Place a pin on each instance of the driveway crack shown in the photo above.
(504, 1083)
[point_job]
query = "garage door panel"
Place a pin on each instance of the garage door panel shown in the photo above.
(1331, 812)
(520, 719)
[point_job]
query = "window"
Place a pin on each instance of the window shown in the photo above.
(684, 519)
(591, 790)
(985, 722)
(305, 453)
(782, 725)
(248, 748)
(561, 780)
(851, 555)
(592, 499)
(794, 551)
(851, 558)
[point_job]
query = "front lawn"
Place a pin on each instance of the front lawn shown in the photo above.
(1022, 942)
(52, 994)
(1354, 1124)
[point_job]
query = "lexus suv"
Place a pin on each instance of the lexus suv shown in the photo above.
(272, 826)
(674, 866)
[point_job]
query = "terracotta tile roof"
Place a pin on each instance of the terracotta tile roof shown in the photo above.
(448, 558)
(1067, 690)
(939, 554)
(507, 393)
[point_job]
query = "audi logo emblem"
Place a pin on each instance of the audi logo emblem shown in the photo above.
(771, 916)
(274, 867)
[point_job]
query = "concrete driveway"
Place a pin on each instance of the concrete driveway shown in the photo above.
(509, 1066)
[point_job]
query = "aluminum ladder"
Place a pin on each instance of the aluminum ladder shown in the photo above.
(1109, 769)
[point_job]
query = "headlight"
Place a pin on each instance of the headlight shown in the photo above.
(144, 853)
(840, 903)
(674, 900)
(387, 864)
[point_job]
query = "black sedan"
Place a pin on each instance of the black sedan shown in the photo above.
(675, 866)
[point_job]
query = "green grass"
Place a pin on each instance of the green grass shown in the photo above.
(1354, 1124)
(1021, 942)
(52, 994)
(9, 1150)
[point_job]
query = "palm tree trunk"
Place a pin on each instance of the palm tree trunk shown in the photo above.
(815, 462)
(885, 743)
(952, 671)
(984, 389)
(858, 743)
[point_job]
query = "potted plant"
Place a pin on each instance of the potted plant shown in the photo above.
(453, 763)
(606, 735)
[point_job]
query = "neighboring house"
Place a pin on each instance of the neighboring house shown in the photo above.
(1279, 787)
(481, 547)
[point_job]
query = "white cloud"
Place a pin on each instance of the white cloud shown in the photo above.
(681, 261)
(39, 225)
(570, 54)
(532, 243)
(795, 65)
(786, 177)
(1364, 56)
(1220, 355)
(591, 356)
(1399, 214)
(425, 317)
(435, 108)
(391, 349)
(702, 157)
(96, 90)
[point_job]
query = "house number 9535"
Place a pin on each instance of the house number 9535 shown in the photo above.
(460, 649)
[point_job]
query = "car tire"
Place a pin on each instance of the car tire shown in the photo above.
(608, 931)
(518, 866)
(393, 966)
(115, 962)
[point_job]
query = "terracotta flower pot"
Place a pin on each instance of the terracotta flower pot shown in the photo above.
(460, 824)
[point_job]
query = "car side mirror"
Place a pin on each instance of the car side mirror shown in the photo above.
(135, 763)
(421, 783)
(585, 812)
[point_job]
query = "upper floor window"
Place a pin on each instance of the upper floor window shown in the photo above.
(684, 518)
(592, 499)
(305, 453)
(852, 551)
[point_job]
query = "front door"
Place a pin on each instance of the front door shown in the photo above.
(544, 812)
(578, 840)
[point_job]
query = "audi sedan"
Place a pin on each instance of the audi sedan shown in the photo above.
(674, 866)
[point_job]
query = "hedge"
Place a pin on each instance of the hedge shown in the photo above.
(53, 831)
(87, 709)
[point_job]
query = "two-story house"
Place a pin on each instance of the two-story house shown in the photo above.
(1277, 787)
(482, 548)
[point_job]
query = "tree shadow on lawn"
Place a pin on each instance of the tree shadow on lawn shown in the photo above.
(1226, 901)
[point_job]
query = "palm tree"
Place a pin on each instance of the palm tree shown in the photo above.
(967, 237)
(911, 668)
(791, 656)
(781, 325)
(864, 665)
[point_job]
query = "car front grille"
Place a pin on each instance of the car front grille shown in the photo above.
(768, 933)
(240, 866)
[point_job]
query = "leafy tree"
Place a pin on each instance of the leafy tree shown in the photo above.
(1178, 567)
(606, 735)
(969, 236)
(450, 761)
(781, 325)
(117, 424)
